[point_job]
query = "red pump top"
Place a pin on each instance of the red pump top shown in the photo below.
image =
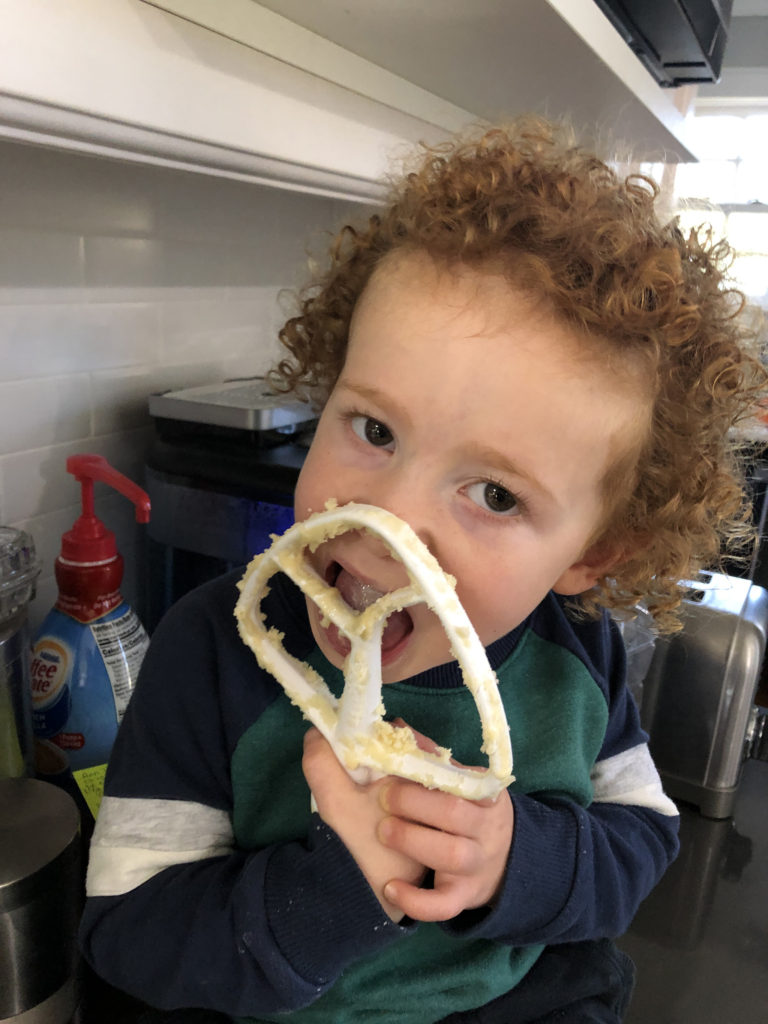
(89, 541)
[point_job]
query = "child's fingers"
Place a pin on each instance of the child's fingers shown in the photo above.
(326, 777)
(354, 813)
(428, 904)
(465, 845)
(318, 758)
(438, 850)
(432, 807)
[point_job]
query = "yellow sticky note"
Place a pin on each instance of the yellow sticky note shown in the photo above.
(91, 783)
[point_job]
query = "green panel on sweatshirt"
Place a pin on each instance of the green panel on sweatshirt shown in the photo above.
(557, 718)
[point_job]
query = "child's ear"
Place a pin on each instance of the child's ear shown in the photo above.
(596, 562)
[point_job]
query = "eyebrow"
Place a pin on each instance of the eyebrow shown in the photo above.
(493, 457)
(485, 454)
(372, 394)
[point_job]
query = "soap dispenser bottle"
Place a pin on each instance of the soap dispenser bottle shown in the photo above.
(87, 653)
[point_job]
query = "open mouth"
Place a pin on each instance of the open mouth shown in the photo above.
(359, 595)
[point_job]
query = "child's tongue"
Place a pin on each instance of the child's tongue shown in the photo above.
(359, 595)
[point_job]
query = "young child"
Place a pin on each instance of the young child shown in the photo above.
(522, 362)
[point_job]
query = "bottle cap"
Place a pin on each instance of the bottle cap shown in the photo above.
(89, 541)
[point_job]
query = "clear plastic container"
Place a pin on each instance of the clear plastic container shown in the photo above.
(19, 569)
(639, 635)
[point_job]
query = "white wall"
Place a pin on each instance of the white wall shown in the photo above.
(117, 280)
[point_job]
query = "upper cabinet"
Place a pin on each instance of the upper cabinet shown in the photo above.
(320, 97)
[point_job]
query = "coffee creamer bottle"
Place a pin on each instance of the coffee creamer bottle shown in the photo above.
(87, 653)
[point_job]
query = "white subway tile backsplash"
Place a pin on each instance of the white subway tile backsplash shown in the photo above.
(205, 325)
(121, 399)
(161, 263)
(35, 483)
(118, 280)
(33, 295)
(246, 359)
(46, 593)
(127, 262)
(258, 307)
(182, 375)
(35, 258)
(42, 412)
(51, 340)
(124, 334)
(202, 264)
(58, 191)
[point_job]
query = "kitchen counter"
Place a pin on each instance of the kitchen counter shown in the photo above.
(700, 940)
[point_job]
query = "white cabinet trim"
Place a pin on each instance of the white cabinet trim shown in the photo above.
(260, 29)
(122, 78)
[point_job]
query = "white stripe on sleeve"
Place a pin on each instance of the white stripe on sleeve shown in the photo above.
(135, 839)
(631, 778)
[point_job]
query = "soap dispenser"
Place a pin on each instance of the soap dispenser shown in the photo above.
(87, 653)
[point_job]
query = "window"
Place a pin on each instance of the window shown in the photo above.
(728, 189)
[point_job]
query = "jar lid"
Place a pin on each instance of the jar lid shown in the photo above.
(19, 569)
(38, 821)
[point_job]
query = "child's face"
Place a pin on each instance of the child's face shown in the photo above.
(471, 416)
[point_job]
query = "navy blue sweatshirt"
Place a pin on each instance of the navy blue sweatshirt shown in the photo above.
(211, 883)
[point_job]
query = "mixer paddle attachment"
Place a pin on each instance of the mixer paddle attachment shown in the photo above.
(364, 743)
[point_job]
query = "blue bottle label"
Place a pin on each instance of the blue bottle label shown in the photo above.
(82, 679)
(51, 696)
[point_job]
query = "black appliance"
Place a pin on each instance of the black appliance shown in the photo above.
(221, 472)
(678, 41)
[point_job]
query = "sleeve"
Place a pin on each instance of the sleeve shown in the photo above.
(176, 914)
(577, 873)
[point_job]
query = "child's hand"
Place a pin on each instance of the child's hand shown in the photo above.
(355, 813)
(466, 843)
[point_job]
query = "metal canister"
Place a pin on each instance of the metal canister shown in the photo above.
(40, 902)
(19, 569)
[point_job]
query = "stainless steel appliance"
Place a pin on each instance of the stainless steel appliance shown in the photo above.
(40, 902)
(699, 693)
(221, 473)
(240, 404)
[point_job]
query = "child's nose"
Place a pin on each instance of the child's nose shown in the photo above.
(407, 501)
(377, 557)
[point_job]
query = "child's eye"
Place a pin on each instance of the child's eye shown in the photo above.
(494, 497)
(372, 431)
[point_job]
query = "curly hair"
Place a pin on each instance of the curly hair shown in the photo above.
(526, 200)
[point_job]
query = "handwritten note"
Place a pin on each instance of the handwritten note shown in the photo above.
(91, 783)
